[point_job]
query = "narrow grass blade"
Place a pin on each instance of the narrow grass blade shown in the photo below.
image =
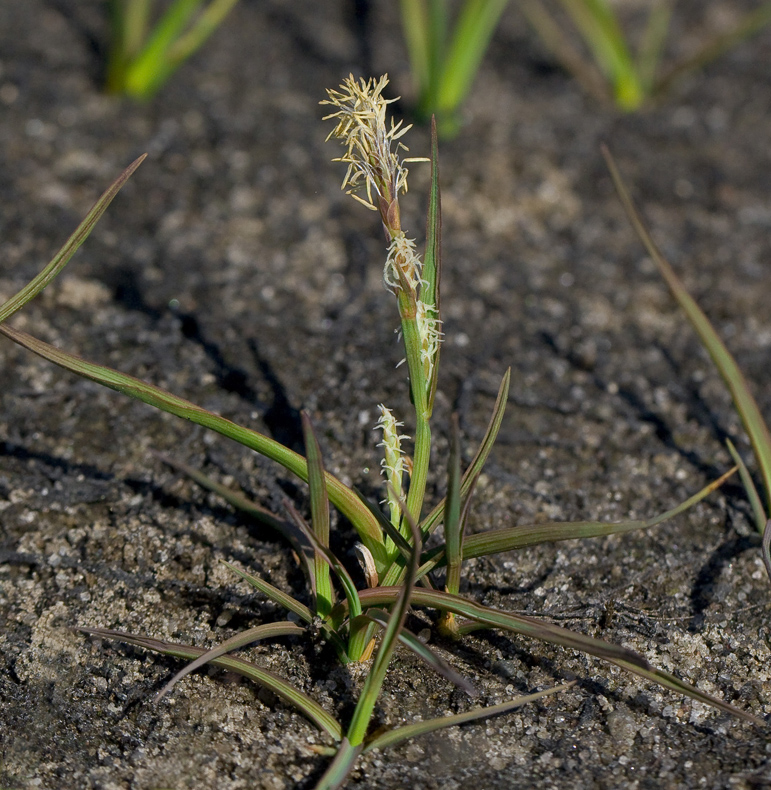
(492, 618)
(673, 683)
(62, 258)
(453, 534)
(336, 775)
(484, 617)
(430, 292)
(416, 35)
(286, 529)
(404, 548)
(151, 67)
(766, 547)
(340, 495)
(582, 70)
(325, 596)
(434, 518)
(290, 604)
(277, 596)
(330, 560)
(749, 486)
(262, 677)
(206, 23)
(652, 44)
(752, 23)
(473, 30)
(399, 734)
(691, 501)
(374, 681)
(744, 402)
(495, 541)
(266, 631)
(598, 25)
(129, 22)
(425, 653)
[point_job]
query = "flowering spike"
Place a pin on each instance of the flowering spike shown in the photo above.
(361, 125)
(430, 336)
(402, 259)
(393, 460)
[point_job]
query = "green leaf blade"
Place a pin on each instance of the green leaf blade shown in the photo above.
(745, 403)
(71, 246)
(399, 734)
(340, 495)
(305, 704)
(325, 596)
(242, 639)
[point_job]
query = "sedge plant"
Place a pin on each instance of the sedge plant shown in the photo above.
(148, 46)
(607, 65)
(744, 401)
(360, 621)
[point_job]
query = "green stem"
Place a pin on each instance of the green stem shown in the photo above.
(420, 462)
(337, 773)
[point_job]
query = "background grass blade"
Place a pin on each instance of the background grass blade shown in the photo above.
(599, 27)
(203, 27)
(744, 402)
(473, 30)
(151, 67)
(652, 44)
(583, 70)
(340, 495)
(398, 734)
(750, 24)
(417, 38)
(309, 707)
(70, 247)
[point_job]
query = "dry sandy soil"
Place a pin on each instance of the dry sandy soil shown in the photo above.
(234, 272)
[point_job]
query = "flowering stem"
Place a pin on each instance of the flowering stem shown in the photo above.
(420, 463)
